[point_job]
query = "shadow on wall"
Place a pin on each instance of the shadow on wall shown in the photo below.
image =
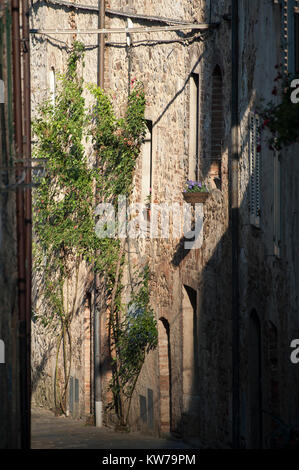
(206, 379)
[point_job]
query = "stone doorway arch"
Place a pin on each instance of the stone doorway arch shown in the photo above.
(165, 376)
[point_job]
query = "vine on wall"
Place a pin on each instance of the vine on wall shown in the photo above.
(282, 119)
(64, 224)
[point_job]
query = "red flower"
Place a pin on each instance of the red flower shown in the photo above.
(266, 122)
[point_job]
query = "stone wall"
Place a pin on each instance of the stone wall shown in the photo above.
(185, 386)
(48, 59)
(199, 409)
(10, 417)
(269, 282)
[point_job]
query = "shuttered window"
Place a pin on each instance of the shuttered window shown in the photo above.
(255, 168)
(296, 19)
(290, 35)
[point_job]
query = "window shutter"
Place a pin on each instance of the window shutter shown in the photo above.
(255, 169)
(285, 34)
(289, 7)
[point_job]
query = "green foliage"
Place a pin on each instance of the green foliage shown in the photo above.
(63, 200)
(63, 204)
(282, 119)
(137, 336)
(118, 142)
(64, 225)
(195, 187)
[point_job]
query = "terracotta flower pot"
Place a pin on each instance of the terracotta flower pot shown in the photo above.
(196, 197)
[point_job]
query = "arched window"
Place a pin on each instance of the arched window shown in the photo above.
(217, 127)
(194, 127)
(274, 374)
(190, 349)
(165, 375)
(52, 80)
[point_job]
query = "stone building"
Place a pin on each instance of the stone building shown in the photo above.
(227, 310)
(15, 272)
(9, 365)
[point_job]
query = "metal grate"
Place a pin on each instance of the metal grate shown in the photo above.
(71, 395)
(150, 408)
(290, 9)
(142, 404)
(76, 390)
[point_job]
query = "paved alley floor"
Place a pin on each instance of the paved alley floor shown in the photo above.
(51, 432)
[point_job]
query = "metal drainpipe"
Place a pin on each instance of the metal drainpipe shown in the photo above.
(234, 200)
(97, 321)
(101, 44)
(23, 392)
(28, 202)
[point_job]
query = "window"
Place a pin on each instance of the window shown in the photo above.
(273, 372)
(255, 382)
(2, 92)
(190, 350)
(147, 163)
(290, 35)
(276, 204)
(296, 20)
(194, 127)
(255, 168)
(216, 127)
(52, 85)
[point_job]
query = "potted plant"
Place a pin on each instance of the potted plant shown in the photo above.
(195, 192)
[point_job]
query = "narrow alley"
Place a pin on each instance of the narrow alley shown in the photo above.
(51, 432)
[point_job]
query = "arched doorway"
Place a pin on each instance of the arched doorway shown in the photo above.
(165, 376)
(190, 349)
(274, 400)
(255, 382)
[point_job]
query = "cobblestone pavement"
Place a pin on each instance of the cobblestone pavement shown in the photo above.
(51, 432)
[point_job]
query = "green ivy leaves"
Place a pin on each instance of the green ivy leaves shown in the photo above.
(64, 208)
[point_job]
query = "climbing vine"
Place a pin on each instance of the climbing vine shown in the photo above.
(64, 225)
(132, 335)
(282, 119)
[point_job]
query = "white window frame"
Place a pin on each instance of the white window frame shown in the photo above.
(255, 169)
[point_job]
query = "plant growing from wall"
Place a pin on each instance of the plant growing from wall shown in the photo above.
(64, 223)
(136, 335)
(118, 142)
(63, 217)
(282, 119)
